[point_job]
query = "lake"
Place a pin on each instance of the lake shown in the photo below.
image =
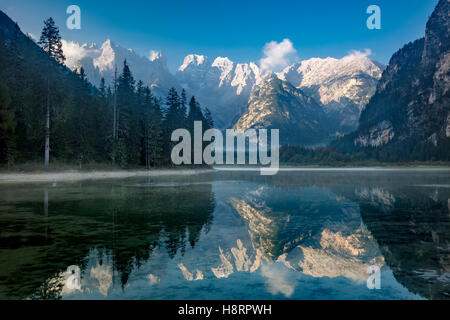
(302, 234)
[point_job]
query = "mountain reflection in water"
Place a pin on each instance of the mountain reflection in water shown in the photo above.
(229, 235)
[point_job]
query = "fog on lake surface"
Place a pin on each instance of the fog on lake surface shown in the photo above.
(302, 234)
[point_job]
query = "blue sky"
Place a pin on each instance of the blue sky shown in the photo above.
(236, 29)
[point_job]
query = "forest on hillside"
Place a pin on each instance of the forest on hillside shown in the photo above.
(47, 110)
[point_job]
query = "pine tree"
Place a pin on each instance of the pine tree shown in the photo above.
(82, 75)
(171, 119)
(152, 117)
(102, 89)
(173, 108)
(195, 112)
(209, 122)
(7, 126)
(183, 105)
(127, 118)
(116, 85)
(157, 142)
(83, 114)
(50, 42)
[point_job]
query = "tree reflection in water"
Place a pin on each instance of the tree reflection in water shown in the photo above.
(119, 224)
(274, 236)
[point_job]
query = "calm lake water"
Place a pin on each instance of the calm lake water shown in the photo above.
(229, 235)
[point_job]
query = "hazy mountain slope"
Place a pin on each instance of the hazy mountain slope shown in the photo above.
(276, 104)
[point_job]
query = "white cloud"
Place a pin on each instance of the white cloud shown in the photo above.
(359, 54)
(73, 49)
(277, 279)
(75, 52)
(277, 55)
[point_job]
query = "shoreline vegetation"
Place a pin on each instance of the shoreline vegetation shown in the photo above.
(79, 175)
(66, 173)
(373, 164)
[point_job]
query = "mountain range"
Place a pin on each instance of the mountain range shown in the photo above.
(340, 87)
(403, 109)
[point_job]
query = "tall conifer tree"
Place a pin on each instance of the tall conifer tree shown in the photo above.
(50, 42)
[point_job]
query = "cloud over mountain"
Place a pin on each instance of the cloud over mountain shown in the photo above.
(278, 55)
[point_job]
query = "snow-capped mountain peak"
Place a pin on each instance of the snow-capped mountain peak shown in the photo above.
(155, 55)
(245, 77)
(223, 86)
(226, 67)
(107, 58)
(343, 86)
(317, 70)
(193, 61)
(223, 63)
(101, 63)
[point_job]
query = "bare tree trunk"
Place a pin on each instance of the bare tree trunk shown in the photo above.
(115, 133)
(117, 121)
(147, 154)
(114, 117)
(146, 147)
(47, 127)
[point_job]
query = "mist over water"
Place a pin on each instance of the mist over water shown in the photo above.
(302, 234)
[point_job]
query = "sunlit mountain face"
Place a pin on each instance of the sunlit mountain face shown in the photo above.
(297, 235)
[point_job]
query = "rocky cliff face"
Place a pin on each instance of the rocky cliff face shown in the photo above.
(342, 86)
(411, 107)
(223, 86)
(276, 104)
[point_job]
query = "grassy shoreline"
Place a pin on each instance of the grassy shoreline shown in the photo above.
(34, 172)
(93, 175)
(89, 168)
(95, 167)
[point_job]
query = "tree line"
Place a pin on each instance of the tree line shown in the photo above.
(336, 154)
(51, 114)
